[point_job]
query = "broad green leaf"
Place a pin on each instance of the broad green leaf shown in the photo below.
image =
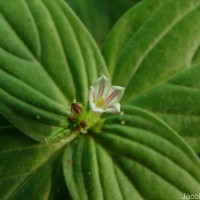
(100, 15)
(47, 60)
(136, 156)
(154, 52)
(29, 169)
(152, 43)
(4, 123)
(118, 7)
(94, 14)
(177, 103)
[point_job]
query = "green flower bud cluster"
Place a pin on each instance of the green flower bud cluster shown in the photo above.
(103, 98)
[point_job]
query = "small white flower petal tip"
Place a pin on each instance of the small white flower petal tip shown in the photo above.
(105, 98)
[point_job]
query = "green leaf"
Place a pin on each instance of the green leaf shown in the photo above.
(136, 155)
(29, 169)
(177, 103)
(94, 14)
(4, 123)
(100, 15)
(47, 60)
(151, 44)
(117, 8)
(156, 56)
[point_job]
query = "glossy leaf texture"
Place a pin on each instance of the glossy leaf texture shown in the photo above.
(136, 156)
(47, 59)
(29, 169)
(157, 59)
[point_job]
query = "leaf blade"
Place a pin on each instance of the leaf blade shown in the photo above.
(140, 151)
(146, 48)
(35, 167)
(46, 70)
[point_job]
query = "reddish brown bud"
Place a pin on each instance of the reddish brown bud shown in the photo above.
(71, 120)
(83, 124)
(76, 108)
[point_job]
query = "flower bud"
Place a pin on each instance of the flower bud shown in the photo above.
(84, 124)
(71, 119)
(77, 108)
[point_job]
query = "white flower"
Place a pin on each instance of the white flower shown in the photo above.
(105, 98)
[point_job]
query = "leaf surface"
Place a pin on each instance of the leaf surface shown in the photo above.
(177, 103)
(29, 169)
(154, 52)
(155, 46)
(99, 16)
(136, 155)
(47, 60)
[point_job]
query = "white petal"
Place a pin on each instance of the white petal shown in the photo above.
(101, 87)
(98, 110)
(115, 108)
(94, 108)
(114, 95)
(92, 105)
